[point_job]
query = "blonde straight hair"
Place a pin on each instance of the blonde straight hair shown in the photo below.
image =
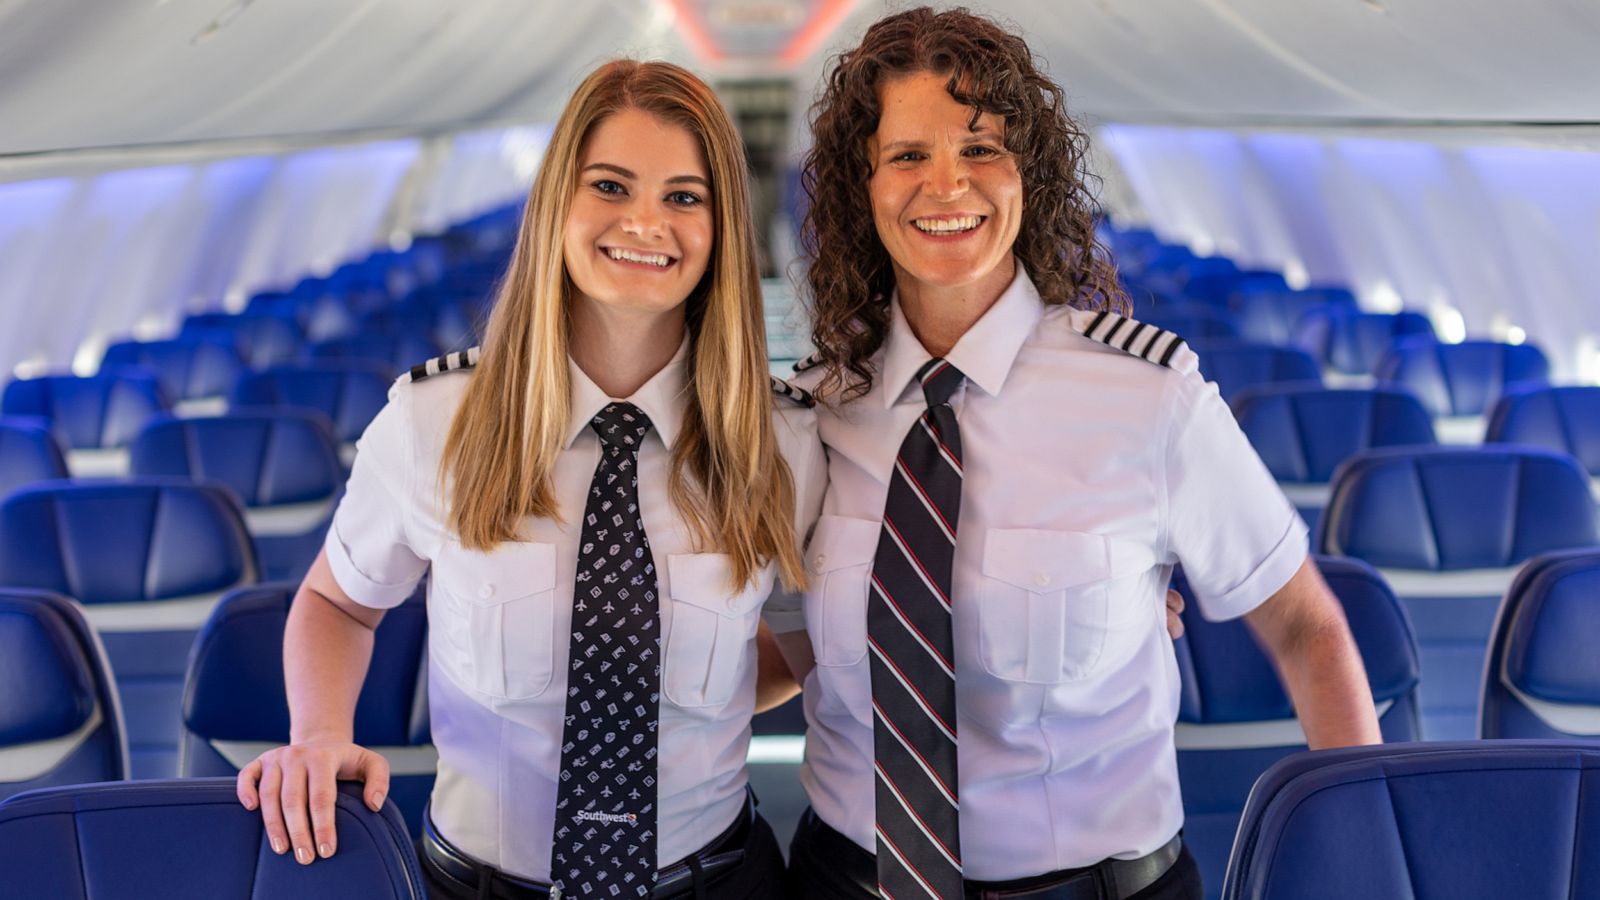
(728, 481)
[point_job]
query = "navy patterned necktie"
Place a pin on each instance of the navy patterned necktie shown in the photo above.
(605, 827)
(913, 664)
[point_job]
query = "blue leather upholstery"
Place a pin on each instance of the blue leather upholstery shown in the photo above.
(28, 453)
(190, 840)
(234, 705)
(282, 462)
(1462, 379)
(1447, 526)
(1191, 321)
(1235, 365)
(1543, 674)
(147, 559)
(1219, 287)
(1561, 418)
(59, 718)
(105, 410)
(395, 353)
(1269, 316)
(188, 368)
(260, 340)
(349, 393)
(1235, 719)
(1352, 342)
(1466, 821)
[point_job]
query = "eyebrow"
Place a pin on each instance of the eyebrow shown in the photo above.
(982, 134)
(628, 173)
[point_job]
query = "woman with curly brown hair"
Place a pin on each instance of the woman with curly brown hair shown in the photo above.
(993, 714)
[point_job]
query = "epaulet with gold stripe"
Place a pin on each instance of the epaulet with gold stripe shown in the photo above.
(1141, 339)
(450, 362)
(810, 362)
(798, 395)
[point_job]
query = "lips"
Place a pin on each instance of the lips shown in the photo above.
(648, 258)
(940, 226)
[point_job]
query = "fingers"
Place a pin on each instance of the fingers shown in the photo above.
(322, 781)
(374, 770)
(272, 807)
(295, 820)
(1174, 620)
(1174, 601)
(245, 786)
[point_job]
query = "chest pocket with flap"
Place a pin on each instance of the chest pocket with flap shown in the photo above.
(710, 628)
(498, 616)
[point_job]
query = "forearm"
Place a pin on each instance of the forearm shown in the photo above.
(325, 657)
(775, 685)
(1328, 684)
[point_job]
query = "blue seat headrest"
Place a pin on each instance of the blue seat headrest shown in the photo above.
(1461, 379)
(187, 367)
(105, 410)
(1353, 341)
(1303, 432)
(1550, 651)
(235, 688)
(125, 541)
(348, 392)
(28, 453)
(1236, 365)
(266, 456)
(1561, 418)
(47, 680)
(1452, 508)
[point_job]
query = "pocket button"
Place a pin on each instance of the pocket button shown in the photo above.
(485, 591)
(820, 561)
(1042, 579)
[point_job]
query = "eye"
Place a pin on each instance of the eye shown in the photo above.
(685, 198)
(982, 151)
(607, 186)
(908, 156)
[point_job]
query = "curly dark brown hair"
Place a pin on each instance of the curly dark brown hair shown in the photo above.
(993, 71)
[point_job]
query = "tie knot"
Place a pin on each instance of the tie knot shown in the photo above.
(621, 426)
(939, 381)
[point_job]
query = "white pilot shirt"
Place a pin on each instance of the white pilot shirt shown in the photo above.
(1089, 472)
(500, 622)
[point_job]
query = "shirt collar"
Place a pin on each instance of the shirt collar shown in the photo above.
(661, 398)
(984, 354)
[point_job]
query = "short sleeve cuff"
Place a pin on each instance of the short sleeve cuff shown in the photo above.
(360, 588)
(1272, 574)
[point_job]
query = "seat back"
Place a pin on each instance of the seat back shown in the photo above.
(282, 462)
(1192, 321)
(1269, 315)
(1542, 679)
(395, 353)
(148, 560)
(1236, 365)
(60, 722)
(188, 368)
(91, 412)
(1447, 527)
(1236, 720)
(1461, 820)
(28, 453)
(1350, 341)
(190, 839)
(348, 392)
(260, 340)
(1462, 379)
(1561, 418)
(234, 705)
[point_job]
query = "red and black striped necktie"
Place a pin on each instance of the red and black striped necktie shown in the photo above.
(913, 663)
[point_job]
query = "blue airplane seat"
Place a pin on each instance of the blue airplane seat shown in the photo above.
(1191, 321)
(1268, 315)
(1235, 720)
(234, 706)
(348, 392)
(1303, 432)
(394, 352)
(95, 415)
(261, 340)
(1218, 288)
(1479, 820)
(1459, 383)
(60, 722)
(29, 453)
(1351, 342)
(148, 559)
(1236, 365)
(189, 368)
(1561, 418)
(190, 839)
(1542, 679)
(282, 462)
(319, 312)
(1447, 527)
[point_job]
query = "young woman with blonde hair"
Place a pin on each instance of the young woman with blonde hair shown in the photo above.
(606, 494)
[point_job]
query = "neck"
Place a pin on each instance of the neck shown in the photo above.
(620, 350)
(940, 315)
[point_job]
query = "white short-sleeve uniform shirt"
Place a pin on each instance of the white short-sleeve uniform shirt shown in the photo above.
(1089, 472)
(500, 622)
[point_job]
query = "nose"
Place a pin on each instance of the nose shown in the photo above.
(643, 219)
(946, 177)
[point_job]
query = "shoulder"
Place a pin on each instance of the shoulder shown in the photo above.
(459, 361)
(789, 393)
(1107, 331)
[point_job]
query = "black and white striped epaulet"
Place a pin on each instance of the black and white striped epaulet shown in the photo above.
(450, 362)
(798, 395)
(1141, 339)
(810, 362)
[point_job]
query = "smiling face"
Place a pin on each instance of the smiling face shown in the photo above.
(640, 232)
(946, 198)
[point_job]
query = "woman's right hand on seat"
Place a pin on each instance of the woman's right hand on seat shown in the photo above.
(295, 786)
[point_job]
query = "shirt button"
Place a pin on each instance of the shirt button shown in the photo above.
(819, 561)
(1042, 579)
(485, 591)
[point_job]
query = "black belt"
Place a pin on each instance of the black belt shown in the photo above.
(1109, 879)
(721, 856)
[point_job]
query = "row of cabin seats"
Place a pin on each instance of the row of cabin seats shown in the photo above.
(60, 722)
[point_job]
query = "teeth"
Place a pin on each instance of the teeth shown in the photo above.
(948, 226)
(654, 259)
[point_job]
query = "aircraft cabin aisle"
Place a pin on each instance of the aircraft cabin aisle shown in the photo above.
(226, 227)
